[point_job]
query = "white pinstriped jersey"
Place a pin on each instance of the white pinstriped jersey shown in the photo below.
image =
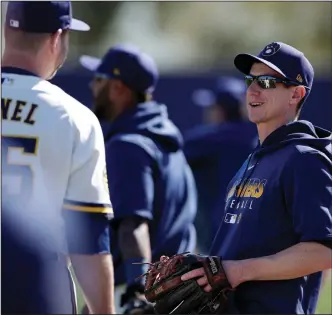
(52, 149)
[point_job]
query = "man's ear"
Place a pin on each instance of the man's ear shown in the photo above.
(298, 93)
(55, 40)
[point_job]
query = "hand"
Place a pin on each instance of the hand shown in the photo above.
(202, 279)
(232, 270)
(172, 295)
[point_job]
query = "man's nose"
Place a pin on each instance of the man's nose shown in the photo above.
(254, 89)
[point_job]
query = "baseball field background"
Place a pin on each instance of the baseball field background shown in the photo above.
(191, 41)
(197, 39)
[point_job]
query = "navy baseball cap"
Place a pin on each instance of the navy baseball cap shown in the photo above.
(228, 92)
(126, 63)
(42, 16)
(282, 58)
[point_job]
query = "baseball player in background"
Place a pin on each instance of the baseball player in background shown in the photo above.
(54, 157)
(151, 185)
(275, 238)
(216, 150)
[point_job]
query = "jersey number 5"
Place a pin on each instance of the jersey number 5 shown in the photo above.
(17, 177)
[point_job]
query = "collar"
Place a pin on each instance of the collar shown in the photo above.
(14, 70)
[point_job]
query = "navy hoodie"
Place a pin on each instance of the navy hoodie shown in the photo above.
(281, 196)
(215, 153)
(149, 177)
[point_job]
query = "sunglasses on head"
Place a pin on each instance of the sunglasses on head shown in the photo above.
(267, 81)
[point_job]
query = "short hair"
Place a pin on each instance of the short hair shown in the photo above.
(23, 41)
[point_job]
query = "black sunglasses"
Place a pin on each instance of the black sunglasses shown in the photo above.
(267, 81)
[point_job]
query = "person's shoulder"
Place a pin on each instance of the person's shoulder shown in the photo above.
(305, 156)
(79, 114)
(133, 144)
(310, 142)
(72, 105)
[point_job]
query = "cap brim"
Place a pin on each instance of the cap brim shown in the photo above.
(244, 62)
(89, 62)
(77, 25)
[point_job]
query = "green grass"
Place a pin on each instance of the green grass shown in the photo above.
(79, 294)
(325, 300)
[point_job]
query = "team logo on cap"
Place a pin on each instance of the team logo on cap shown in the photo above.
(299, 78)
(14, 23)
(271, 49)
(116, 71)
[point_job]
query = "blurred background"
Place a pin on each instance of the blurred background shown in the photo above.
(194, 43)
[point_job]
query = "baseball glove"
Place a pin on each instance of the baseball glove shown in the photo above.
(171, 295)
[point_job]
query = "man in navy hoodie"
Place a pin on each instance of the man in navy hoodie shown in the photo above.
(152, 187)
(216, 150)
(276, 233)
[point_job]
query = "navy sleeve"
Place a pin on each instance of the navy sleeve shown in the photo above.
(130, 180)
(308, 195)
(87, 233)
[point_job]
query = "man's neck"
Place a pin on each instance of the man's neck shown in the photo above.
(123, 108)
(265, 129)
(24, 62)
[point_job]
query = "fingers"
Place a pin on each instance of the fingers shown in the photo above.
(208, 288)
(193, 274)
(202, 281)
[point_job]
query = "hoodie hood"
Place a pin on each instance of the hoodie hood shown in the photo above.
(302, 133)
(149, 119)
